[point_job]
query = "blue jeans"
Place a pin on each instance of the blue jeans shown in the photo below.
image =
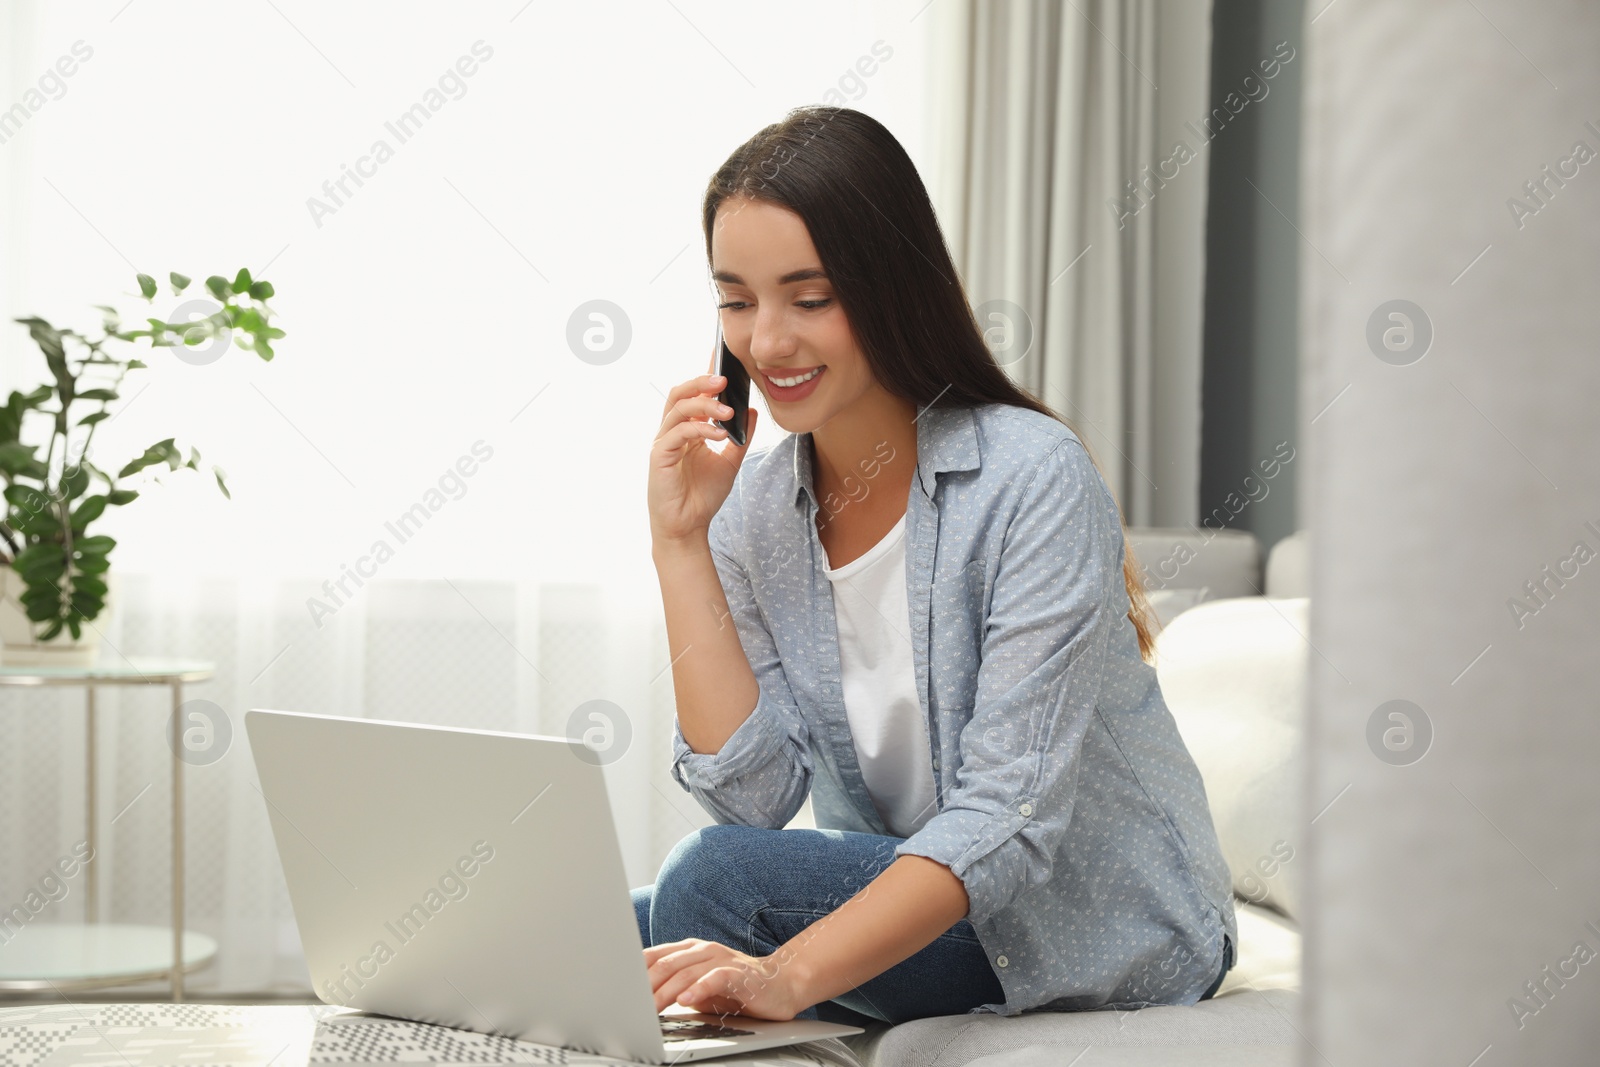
(754, 889)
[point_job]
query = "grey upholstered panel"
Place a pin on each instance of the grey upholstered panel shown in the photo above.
(1454, 869)
(1244, 1017)
(1228, 562)
(1150, 1056)
(1289, 566)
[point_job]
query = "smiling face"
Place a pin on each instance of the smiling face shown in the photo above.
(781, 317)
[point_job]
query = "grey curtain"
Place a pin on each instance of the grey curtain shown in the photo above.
(1078, 223)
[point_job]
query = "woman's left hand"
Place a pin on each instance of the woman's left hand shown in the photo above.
(711, 977)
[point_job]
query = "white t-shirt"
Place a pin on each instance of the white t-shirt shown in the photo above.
(879, 678)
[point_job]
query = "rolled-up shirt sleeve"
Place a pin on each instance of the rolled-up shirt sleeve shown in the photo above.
(762, 774)
(1056, 600)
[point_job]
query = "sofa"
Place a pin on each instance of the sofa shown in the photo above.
(1232, 657)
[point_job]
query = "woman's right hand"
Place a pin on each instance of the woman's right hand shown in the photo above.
(688, 481)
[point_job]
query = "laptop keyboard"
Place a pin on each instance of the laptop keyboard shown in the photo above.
(693, 1030)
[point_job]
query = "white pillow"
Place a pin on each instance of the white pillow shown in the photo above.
(1234, 675)
(1168, 604)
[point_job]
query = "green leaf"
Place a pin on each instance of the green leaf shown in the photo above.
(179, 282)
(160, 452)
(49, 571)
(219, 472)
(92, 564)
(122, 496)
(241, 281)
(48, 338)
(45, 565)
(134, 364)
(54, 629)
(38, 555)
(74, 483)
(87, 584)
(16, 457)
(262, 291)
(88, 511)
(33, 554)
(41, 592)
(27, 497)
(200, 331)
(218, 285)
(157, 334)
(147, 286)
(98, 394)
(90, 420)
(41, 527)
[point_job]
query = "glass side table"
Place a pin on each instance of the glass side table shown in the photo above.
(64, 956)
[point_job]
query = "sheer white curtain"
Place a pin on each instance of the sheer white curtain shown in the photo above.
(428, 316)
(1071, 182)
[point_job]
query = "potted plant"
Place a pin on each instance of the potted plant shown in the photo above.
(54, 573)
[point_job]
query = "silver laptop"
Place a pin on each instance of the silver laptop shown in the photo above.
(473, 879)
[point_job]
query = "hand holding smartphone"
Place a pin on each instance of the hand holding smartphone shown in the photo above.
(736, 393)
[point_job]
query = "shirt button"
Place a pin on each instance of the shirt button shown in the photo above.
(1000, 961)
(1026, 810)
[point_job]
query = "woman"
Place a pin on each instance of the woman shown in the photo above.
(937, 632)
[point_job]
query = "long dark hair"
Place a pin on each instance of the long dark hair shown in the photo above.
(875, 231)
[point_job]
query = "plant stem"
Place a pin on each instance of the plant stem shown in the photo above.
(105, 405)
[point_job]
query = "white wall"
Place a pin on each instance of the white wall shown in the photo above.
(423, 315)
(1437, 490)
(433, 304)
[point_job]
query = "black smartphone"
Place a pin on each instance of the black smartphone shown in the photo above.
(736, 394)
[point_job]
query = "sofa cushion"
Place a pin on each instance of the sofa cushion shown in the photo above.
(1234, 676)
(1228, 562)
(1252, 1008)
(1243, 1017)
(1289, 566)
(1168, 604)
(1148, 1056)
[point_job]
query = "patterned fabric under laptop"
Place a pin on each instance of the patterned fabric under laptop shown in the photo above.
(213, 1035)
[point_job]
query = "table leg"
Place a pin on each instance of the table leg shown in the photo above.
(177, 849)
(91, 895)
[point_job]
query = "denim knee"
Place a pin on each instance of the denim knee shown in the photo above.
(702, 879)
(710, 852)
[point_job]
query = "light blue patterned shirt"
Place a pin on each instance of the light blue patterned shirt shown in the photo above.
(1068, 805)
